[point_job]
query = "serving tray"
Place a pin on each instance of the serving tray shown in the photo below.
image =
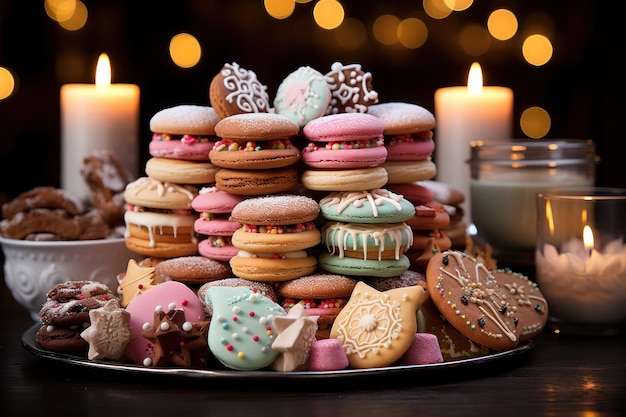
(29, 343)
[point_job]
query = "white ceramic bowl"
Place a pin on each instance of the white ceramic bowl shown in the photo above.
(32, 268)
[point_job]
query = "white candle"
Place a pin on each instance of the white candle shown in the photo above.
(583, 284)
(94, 117)
(465, 114)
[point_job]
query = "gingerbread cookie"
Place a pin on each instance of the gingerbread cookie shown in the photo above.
(43, 197)
(376, 328)
(351, 89)
(528, 301)
(470, 299)
(236, 90)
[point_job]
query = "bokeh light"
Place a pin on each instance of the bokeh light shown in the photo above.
(279, 9)
(386, 29)
(458, 5)
(328, 14)
(537, 50)
(535, 122)
(437, 9)
(7, 83)
(352, 34)
(474, 40)
(185, 50)
(412, 33)
(502, 24)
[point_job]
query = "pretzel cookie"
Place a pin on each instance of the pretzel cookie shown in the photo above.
(470, 299)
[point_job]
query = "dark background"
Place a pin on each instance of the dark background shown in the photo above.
(582, 87)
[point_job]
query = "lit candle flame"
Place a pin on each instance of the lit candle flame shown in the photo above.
(475, 79)
(588, 238)
(103, 71)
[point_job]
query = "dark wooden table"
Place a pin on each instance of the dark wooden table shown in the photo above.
(560, 375)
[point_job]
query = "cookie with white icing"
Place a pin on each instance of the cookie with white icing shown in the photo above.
(376, 328)
(236, 90)
(351, 89)
(302, 96)
(527, 299)
(241, 332)
(470, 299)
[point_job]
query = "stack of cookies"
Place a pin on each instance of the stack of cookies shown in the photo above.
(159, 217)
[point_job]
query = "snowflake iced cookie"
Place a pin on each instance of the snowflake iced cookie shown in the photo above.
(376, 328)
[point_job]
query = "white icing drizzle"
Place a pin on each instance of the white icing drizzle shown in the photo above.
(155, 222)
(376, 197)
(399, 233)
(245, 89)
(150, 184)
(476, 294)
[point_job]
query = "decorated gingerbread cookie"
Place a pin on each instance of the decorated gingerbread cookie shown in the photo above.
(376, 328)
(527, 299)
(351, 89)
(236, 90)
(470, 299)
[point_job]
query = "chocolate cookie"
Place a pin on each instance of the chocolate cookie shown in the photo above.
(236, 90)
(470, 299)
(351, 89)
(69, 303)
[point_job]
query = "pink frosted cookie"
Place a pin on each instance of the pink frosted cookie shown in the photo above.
(169, 295)
(347, 140)
(213, 222)
(327, 355)
(183, 132)
(424, 350)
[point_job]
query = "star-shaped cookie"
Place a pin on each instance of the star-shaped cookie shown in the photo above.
(376, 328)
(138, 279)
(295, 336)
(176, 340)
(109, 331)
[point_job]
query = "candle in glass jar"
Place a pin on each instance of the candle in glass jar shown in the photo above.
(465, 114)
(582, 283)
(100, 116)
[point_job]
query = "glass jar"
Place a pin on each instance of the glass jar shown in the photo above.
(505, 180)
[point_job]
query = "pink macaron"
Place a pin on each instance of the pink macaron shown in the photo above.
(345, 140)
(219, 248)
(184, 132)
(407, 129)
(214, 200)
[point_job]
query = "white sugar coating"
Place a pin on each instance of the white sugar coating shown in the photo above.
(256, 126)
(283, 209)
(399, 117)
(321, 285)
(194, 266)
(344, 127)
(185, 119)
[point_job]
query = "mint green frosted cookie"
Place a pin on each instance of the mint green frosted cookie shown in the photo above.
(370, 206)
(364, 268)
(302, 96)
(241, 331)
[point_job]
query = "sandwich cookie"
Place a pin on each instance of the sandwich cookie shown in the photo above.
(254, 141)
(213, 225)
(344, 141)
(180, 171)
(322, 295)
(276, 231)
(159, 219)
(184, 132)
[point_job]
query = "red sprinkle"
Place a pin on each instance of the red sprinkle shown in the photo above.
(251, 314)
(184, 302)
(255, 338)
